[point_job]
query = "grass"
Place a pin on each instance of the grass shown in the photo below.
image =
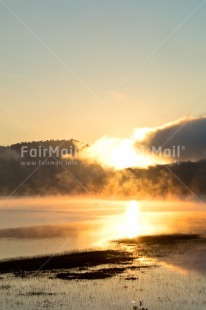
(162, 239)
(84, 261)
(65, 261)
(92, 275)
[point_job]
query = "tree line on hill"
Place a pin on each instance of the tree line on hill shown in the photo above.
(91, 179)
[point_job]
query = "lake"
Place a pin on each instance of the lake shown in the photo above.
(163, 275)
(35, 226)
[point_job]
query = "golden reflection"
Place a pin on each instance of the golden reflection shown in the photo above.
(128, 226)
(132, 222)
(132, 219)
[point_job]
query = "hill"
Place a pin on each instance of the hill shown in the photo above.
(68, 174)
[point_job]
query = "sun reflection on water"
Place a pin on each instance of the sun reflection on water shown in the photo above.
(132, 219)
(128, 225)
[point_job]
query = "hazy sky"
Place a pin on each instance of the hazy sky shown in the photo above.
(67, 79)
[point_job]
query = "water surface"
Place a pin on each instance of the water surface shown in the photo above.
(47, 225)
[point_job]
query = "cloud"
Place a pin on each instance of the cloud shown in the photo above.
(180, 140)
(188, 133)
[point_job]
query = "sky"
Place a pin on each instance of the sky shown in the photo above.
(84, 69)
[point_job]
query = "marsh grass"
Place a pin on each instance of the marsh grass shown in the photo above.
(164, 240)
(24, 266)
(92, 275)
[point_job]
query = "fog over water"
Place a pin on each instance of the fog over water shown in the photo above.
(32, 226)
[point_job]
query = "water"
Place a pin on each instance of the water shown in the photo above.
(53, 225)
(47, 225)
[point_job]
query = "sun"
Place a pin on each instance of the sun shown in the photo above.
(118, 153)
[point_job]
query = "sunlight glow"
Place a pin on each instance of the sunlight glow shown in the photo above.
(136, 218)
(119, 153)
(132, 219)
(141, 133)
